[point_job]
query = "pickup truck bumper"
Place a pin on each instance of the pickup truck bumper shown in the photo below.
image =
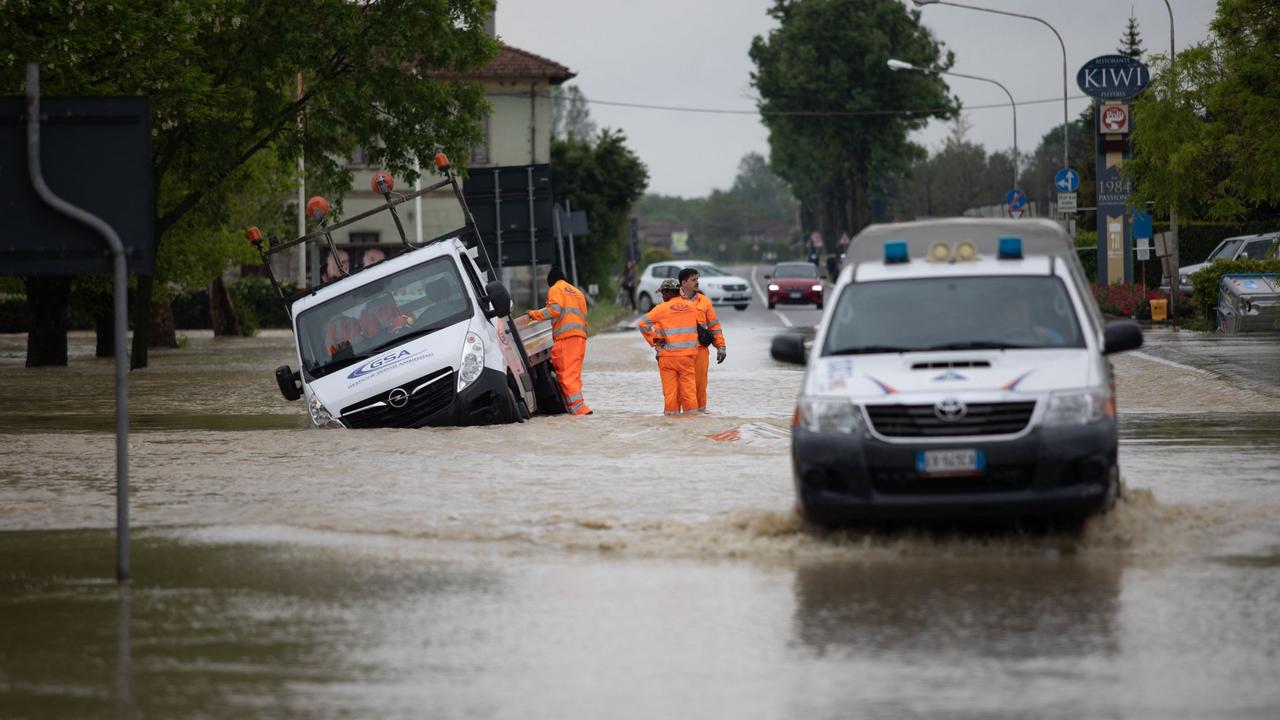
(1063, 472)
(487, 401)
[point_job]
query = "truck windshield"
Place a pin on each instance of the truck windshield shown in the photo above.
(967, 313)
(380, 314)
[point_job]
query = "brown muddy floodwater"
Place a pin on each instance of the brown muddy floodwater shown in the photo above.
(623, 565)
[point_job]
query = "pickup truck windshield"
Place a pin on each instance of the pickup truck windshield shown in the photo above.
(382, 313)
(966, 313)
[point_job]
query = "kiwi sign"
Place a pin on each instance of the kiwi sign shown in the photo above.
(1113, 77)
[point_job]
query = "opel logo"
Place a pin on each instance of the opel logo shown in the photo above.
(950, 410)
(398, 398)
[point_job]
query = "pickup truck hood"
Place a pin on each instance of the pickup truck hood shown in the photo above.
(879, 376)
(391, 367)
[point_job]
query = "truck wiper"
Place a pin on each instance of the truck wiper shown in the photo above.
(870, 349)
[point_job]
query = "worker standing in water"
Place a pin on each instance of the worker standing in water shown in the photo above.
(672, 328)
(709, 332)
(567, 310)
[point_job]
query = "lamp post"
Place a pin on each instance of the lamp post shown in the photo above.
(897, 65)
(1175, 281)
(1066, 162)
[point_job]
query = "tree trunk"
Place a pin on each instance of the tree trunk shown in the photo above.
(141, 323)
(164, 331)
(221, 311)
(47, 302)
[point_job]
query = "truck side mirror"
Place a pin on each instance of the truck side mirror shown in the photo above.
(499, 299)
(290, 382)
(788, 348)
(1121, 335)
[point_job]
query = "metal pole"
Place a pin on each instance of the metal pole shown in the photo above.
(573, 258)
(533, 241)
(497, 217)
(1175, 281)
(555, 222)
(417, 202)
(1012, 104)
(120, 308)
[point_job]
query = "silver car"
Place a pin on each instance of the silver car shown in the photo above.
(1250, 247)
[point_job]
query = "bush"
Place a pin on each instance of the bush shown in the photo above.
(1126, 299)
(257, 304)
(1205, 282)
(1087, 251)
(13, 313)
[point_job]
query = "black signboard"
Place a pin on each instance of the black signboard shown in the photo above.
(96, 155)
(1113, 77)
(512, 208)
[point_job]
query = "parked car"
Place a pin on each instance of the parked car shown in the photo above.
(719, 286)
(1251, 247)
(795, 283)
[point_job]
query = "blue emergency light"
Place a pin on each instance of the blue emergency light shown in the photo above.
(895, 251)
(1010, 248)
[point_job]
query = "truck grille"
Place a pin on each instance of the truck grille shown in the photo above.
(979, 419)
(427, 396)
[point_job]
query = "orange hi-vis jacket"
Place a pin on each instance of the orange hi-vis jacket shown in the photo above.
(676, 321)
(708, 319)
(566, 309)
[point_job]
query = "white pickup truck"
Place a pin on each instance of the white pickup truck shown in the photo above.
(425, 338)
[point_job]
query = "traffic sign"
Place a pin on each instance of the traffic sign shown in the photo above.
(1144, 248)
(1015, 203)
(1141, 224)
(1066, 202)
(1067, 180)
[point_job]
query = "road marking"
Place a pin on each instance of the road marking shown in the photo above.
(755, 283)
(1170, 363)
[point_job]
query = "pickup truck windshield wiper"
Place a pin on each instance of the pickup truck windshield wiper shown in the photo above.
(870, 349)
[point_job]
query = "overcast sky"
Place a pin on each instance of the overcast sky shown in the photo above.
(693, 53)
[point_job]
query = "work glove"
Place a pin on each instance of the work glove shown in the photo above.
(720, 353)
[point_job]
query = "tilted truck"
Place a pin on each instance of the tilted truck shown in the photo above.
(424, 338)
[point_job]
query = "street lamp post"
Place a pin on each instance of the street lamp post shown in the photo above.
(900, 65)
(1066, 162)
(1175, 281)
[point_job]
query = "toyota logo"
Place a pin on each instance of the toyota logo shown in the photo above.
(398, 398)
(950, 410)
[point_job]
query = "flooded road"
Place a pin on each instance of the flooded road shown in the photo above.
(624, 564)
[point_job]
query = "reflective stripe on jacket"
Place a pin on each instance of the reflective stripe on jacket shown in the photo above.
(708, 319)
(675, 321)
(566, 309)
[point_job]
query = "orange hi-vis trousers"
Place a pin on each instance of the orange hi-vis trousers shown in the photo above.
(701, 362)
(566, 357)
(679, 391)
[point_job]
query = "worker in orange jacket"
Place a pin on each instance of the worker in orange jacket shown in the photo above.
(567, 310)
(672, 328)
(711, 332)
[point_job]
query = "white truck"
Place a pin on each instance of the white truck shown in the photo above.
(425, 338)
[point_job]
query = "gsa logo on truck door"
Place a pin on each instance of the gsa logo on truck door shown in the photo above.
(380, 363)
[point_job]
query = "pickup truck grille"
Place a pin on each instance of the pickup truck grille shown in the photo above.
(979, 419)
(427, 396)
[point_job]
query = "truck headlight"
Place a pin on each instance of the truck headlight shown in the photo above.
(472, 360)
(830, 414)
(320, 415)
(1078, 407)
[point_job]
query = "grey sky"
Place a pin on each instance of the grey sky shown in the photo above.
(693, 53)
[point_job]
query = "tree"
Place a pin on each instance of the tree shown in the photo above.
(221, 77)
(570, 115)
(1209, 148)
(604, 179)
(1131, 40)
(829, 59)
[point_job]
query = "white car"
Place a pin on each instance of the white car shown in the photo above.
(1245, 247)
(719, 286)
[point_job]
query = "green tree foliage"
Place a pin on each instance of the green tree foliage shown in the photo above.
(221, 78)
(1131, 40)
(1210, 149)
(604, 179)
(570, 114)
(830, 57)
(1040, 169)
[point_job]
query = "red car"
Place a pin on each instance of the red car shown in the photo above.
(795, 283)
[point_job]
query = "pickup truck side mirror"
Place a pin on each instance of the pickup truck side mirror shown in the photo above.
(788, 348)
(1121, 335)
(290, 382)
(499, 299)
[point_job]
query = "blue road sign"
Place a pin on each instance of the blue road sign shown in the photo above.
(1016, 202)
(1067, 180)
(1141, 224)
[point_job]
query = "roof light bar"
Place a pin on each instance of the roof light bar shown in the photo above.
(1010, 248)
(895, 251)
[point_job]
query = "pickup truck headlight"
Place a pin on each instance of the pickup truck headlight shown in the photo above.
(472, 360)
(817, 413)
(320, 415)
(1078, 407)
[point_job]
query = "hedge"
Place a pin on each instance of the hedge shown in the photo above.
(1205, 282)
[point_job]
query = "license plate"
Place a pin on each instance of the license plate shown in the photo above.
(796, 295)
(950, 462)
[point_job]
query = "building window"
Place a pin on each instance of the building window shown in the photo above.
(480, 153)
(364, 238)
